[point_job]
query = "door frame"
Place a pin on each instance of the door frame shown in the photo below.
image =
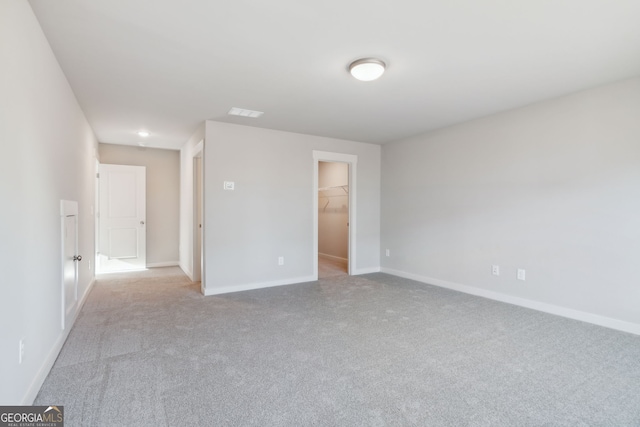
(95, 211)
(198, 247)
(352, 161)
(141, 227)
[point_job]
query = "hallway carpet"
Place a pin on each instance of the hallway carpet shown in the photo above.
(149, 350)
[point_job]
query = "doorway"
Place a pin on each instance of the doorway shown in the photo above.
(197, 218)
(197, 261)
(333, 219)
(121, 218)
(334, 214)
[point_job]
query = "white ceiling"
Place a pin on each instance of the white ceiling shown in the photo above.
(168, 65)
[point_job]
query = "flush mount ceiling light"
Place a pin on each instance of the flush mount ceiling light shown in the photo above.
(143, 133)
(235, 111)
(367, 69)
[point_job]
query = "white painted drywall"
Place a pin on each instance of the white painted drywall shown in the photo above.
(163, 196)
(333, 209)
(47, 153)
(270, 212)
(186, 200)
(552, 188)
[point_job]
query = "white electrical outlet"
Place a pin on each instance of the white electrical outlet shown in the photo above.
(280, 260)
(521, 274)
(229, 185)
(495, 270)
(388, 252)
(21, 351)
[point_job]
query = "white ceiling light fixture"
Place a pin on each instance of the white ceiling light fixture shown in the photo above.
(242, 112)
(367, 69)
(143, 133)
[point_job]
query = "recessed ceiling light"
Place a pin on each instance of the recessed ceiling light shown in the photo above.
(367, 69)
(235, 111)
(143, 133)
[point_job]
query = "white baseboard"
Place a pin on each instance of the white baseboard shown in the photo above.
(260, 285)
(333, 257)
(368, 270)
(44, 370)
(163, 264)
(570, 313)
(186, 271)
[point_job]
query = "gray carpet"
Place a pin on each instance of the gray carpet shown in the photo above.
(374, 350)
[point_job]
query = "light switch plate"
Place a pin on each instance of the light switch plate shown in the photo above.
(229, 185)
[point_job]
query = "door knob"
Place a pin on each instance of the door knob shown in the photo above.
(77, 257)
(141, 222)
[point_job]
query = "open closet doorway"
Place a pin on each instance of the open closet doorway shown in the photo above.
(333, 219)
(334, 214)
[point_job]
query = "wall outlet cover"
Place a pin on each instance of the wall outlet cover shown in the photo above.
(521, 274)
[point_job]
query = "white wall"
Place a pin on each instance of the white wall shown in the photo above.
(186, 200)
(163, 196)
(333, 209)
(552, 188)
(47, 153)
(270, 213)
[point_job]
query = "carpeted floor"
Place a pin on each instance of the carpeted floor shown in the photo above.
(149, 350)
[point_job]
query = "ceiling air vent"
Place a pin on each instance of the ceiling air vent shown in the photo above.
(235, 111)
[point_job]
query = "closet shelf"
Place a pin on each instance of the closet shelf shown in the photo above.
(345, 188)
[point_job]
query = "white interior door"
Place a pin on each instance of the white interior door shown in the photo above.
(70, 259)
(122, 218)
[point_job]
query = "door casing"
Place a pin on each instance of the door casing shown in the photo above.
(122, 218)
(352, 161)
